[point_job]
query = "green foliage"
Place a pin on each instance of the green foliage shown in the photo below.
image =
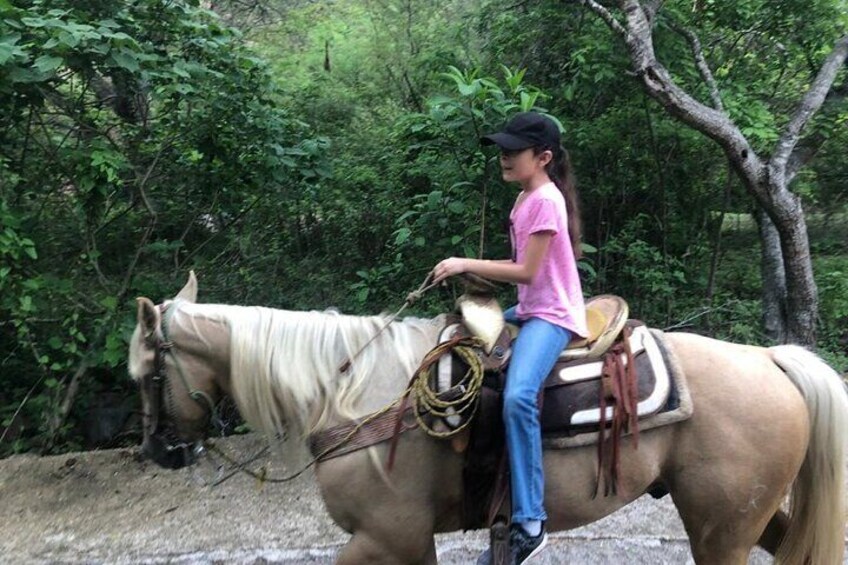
(135, 138)
(457, 208)
(332, 157)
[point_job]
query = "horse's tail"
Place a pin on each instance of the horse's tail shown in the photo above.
(816, 517)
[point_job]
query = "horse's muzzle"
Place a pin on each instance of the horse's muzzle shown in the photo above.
(169, 456)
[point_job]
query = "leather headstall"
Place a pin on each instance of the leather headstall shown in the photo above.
(157, 383)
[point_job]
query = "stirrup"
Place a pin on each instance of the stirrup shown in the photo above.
(499, 542)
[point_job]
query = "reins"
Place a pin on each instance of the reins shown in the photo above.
(411, 298)
(424, 399)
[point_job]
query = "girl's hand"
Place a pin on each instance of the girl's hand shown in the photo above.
(448, 268)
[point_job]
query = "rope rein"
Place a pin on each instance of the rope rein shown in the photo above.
(411, 298)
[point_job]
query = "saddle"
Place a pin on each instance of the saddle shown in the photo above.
(482, 317)
(600, 387)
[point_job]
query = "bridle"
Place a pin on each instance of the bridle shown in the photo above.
(156, 384)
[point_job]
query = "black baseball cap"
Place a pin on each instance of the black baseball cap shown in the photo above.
(527, 129)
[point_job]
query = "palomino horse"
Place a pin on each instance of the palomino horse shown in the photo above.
(764, 420)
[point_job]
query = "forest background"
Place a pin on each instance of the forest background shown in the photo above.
(312, 154)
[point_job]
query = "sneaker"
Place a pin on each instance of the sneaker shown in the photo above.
(485, 558)
(522, 546)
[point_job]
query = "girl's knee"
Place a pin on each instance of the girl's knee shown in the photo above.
(519, 402)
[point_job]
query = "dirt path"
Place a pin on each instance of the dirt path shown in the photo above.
(110, 507)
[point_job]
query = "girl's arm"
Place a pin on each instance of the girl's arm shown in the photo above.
(504, 270)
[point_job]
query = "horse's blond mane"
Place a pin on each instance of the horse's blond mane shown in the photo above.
(285, 364)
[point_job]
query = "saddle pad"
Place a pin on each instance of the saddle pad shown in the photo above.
(572, 391)
(676, 407)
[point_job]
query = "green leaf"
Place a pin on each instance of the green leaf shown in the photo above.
(528, 100)
(362, 294)
(48, 63)
(434, 198)
(402, 235)
(19, 74)
(6, 52)
(468, 89)
(456, 207)
(34, 22)
(69, 39)
(9, 47)
(126, 60)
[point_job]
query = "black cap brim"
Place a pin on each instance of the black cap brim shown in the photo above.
(506, 141)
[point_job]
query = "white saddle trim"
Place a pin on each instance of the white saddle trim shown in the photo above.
(657, 398)
(445, 373)
(589, 371)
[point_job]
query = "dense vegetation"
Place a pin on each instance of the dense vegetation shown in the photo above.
(305, 155)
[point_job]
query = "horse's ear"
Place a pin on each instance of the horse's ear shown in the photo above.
(189, 291)
(148, 316)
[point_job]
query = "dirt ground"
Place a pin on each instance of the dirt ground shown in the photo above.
(111, 507)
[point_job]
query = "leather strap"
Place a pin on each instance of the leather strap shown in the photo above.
(333, 442)
(620, 387)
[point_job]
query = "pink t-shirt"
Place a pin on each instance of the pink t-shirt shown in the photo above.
(554, 294)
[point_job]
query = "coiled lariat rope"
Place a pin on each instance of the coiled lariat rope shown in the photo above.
(429, 402)
(425, 400)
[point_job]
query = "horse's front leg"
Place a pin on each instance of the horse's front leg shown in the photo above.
(393, 514)
(364, 548)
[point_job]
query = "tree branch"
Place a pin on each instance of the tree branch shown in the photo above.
(658, 83)
(700, 62)
(809, 105)
(809, 146)
(605, 15)
(651, 8)
(58, 419)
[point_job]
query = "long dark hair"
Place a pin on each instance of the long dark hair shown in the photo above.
(560, 171)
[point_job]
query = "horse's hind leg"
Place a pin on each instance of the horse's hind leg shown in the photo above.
(728, 509)
(724, 532)
(363, 548)
(774, 532)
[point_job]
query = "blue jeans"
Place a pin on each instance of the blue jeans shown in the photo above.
(534, 354)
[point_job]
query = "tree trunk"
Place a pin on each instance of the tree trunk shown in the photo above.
(774, 278)
(801, 293)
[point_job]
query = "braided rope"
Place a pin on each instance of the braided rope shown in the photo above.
(427, 401)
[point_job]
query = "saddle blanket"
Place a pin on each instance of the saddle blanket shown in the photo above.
(666, 402)
(570, 410)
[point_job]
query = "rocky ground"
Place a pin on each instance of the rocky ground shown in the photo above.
(111, 507)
